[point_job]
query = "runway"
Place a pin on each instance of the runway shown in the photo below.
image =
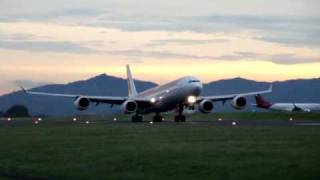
(232, 123)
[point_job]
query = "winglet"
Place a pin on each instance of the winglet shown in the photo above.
(131, 87)
(23, 89)
(271, 87)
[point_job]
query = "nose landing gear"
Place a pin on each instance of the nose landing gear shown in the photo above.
(180, 117)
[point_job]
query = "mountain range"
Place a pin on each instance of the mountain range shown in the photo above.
(301, 90)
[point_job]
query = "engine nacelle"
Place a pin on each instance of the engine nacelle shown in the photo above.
(129, 107)
(82, 103)
(206, 106)
(239, 102)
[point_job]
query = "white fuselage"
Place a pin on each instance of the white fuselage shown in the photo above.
(166, 97)
(307, 107)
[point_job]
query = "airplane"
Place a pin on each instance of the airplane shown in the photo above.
(290, 107)
(178, 95)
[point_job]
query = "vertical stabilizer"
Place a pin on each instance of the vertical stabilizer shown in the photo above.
(262, 103)
(131, 87)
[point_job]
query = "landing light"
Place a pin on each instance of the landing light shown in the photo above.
(74, 119)
(153, 100)
(9, 119)
(234, 123)
(192, 99)
(39, 119)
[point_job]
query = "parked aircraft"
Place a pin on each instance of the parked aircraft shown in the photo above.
(306, 107)
(178, 95)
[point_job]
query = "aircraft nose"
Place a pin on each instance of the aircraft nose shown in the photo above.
(197, 88)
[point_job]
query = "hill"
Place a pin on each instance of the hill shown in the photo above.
(297, 91)
(99, 85)
(303, 90)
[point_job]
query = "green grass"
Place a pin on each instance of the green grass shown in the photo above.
(144, 151)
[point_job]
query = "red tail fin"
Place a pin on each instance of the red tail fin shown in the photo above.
(262, 103)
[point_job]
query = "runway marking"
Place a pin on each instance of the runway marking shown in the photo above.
(88, 122)
(307, 124)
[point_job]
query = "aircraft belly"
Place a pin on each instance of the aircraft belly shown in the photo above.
(170, 101)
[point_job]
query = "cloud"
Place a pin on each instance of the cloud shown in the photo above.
(162, 42)
(283, 59)
(46, 46)
(285, 29)
(296, 39)
(26, 42)
(167, 7)
(300, 31)
(291, 59)
(241, 56)
(21, 37)
(155, 54)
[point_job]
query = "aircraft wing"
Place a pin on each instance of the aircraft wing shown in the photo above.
(231, 96)
(95, 99)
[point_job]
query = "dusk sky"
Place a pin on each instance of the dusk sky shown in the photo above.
(59, 41)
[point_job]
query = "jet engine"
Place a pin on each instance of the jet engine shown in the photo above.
(82, 103)
(206, 106)
(239, 102)
(129, 107)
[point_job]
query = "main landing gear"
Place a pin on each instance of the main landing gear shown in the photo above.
(180, 118)
(136, 118)
(157, 118)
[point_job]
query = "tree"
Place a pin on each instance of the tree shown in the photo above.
(1, 114)
(17, 111)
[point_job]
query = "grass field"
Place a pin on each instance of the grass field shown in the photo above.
(145, 151)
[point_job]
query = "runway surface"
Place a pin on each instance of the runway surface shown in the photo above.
(279, 123)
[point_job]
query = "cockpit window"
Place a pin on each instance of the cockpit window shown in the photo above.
(193, 81)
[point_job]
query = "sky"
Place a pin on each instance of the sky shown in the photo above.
(60, 41)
